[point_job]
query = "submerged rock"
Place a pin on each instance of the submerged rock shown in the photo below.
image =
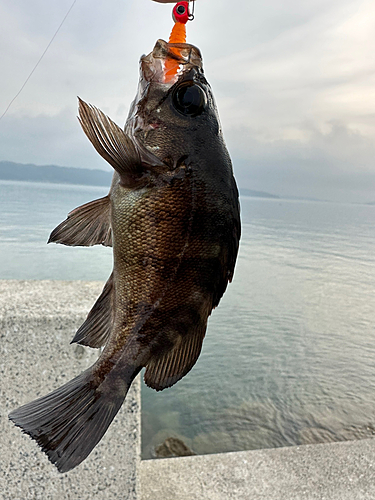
(173, 447)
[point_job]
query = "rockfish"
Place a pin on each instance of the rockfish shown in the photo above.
(172, 217)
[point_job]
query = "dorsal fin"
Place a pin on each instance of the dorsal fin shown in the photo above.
(95, 331)
(165, 370)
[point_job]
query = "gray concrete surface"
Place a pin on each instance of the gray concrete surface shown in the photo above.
(338, 471)
(37, 322)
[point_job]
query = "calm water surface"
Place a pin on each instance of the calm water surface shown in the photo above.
(289, 355)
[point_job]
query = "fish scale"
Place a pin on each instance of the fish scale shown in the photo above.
(141, 276)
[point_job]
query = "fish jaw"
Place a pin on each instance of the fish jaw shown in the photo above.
(153, 66)
(154, 123)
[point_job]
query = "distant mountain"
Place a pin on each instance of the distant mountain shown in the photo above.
(257, 194)
(11, 171)
(51, 173)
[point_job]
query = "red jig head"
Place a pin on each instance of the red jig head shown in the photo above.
(180, 12)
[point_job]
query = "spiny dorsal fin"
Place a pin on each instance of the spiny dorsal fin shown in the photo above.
(165, 370)
(110, 141)
(98, 325)
(87, 225)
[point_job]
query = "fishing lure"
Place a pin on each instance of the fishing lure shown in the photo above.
(181, 15)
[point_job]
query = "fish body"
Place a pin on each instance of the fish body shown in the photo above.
(172, 217)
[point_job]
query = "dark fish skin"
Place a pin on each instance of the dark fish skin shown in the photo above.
(172, 217)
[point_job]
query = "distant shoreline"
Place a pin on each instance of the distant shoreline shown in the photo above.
(257, 194)
(11, 171)
(53, 174)
(54, 183)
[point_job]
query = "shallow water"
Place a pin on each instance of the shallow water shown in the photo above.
(28, 213)
(289, 353)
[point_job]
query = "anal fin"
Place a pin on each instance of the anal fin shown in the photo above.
(87, 225)
(95, 331)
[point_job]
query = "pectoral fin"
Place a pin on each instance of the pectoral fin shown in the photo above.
(110, 142)
(87, 225)
(130, 159)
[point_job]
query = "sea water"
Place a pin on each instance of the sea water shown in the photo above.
(289, 355)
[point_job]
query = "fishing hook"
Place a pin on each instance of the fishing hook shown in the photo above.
(191, 13)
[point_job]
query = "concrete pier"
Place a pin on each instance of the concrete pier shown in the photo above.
(37, 321)
(336, 471)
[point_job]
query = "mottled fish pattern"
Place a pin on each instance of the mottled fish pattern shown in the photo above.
(172, 218)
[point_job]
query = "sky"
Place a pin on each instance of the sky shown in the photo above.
(294, 82)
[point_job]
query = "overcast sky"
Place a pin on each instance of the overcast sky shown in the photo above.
(294, 82)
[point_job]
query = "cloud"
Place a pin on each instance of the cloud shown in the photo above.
(294, 82)
(323, 167)
(46, 140)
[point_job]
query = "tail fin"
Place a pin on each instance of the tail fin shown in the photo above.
(70, 421)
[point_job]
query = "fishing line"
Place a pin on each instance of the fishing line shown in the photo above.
(40, 59)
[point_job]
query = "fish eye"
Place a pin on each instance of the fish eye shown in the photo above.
(189, 99)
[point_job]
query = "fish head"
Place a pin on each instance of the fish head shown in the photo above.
(174, 114)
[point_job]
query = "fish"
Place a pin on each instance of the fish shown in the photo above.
(172, 216)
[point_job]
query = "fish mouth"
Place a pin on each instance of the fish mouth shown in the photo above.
(168, 61)
(160, 70)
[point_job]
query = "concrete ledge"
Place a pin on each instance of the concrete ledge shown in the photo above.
(338, 471)
(37, 322)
